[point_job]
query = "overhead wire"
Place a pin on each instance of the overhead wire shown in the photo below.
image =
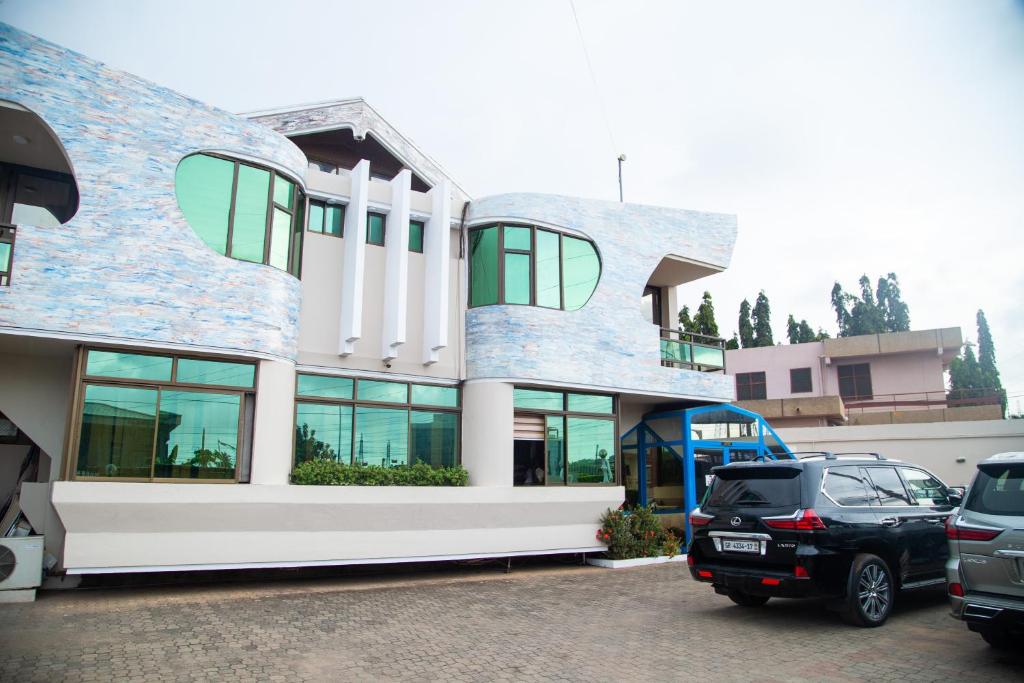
(593, 79)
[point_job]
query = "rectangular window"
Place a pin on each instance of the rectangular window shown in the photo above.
(855, 381)
(330, 425)
(800, 381)
(483, 254)
(888, 486)
(416, 236)
(548, 285)
(315, 220)
(376, 223)
(517, 278)
(751, 386)
(150, 425)
(249, 229)
(579, 447)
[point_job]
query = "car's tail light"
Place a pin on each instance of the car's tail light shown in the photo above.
(690, 562)
(960, 532)
(956, 589)
(770, 582)
(801, 520)
(704, 574)
(800, 572)
(698, 518)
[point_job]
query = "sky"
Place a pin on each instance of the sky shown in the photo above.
(847, 137)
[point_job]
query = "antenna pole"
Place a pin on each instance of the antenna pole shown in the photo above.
(622, 157)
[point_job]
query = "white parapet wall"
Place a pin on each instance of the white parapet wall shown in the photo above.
(125, 527)
(937, 446)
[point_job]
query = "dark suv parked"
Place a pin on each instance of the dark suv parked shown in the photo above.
(854, 528)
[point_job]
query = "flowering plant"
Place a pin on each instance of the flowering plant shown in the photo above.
(630, 533)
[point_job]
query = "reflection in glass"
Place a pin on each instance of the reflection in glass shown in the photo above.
(198, 435)
(203, 185)
(128, 366)
(549, 279)
(324, 387)
(483, 250)
(537, 399)
(382, 436)
(250, 223)
(215, 372)
(280, 233)
(375, 229)
(335, 220)
(434, 438)
(315, 221)
(587, 403)
(323, 432)
(416, 236)
(580, 270)
(5, 256)
(283, 192)
(517, 278)
(554, 440)
(591, 451)
(425, 394)
(387, 392)
(517, 238)
(118, 426)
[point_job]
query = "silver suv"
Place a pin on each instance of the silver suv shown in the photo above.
(985, 570)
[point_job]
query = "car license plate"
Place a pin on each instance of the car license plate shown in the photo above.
(741, 546)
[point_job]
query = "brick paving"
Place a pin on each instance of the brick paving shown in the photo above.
(567, 623)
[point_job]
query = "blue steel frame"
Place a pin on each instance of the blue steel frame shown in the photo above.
(646, 438)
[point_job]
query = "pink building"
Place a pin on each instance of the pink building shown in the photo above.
(869, 379)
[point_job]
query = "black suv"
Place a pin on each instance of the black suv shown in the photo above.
(853, 528)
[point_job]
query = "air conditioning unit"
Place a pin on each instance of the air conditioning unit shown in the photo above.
(21, 567)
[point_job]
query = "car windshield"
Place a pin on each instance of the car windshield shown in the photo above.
(998, 490)
(755, 487)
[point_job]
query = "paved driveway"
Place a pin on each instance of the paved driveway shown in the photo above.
(561, 624)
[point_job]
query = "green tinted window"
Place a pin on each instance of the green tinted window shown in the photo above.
(217, 373)
(203, 186)
(283, 192)
(5, 256)
(535, 399)
(427, 395)
(706, 355)
(324, 387)
(198, 436)
(554, 447)
(434, 438)
(580, 269)
(483, 249)
(548, 276)
(387, 392)
(128, 366)
(591, 452)
(280, 233)
(517, 278)
(250, 224)
(375, 229)
(335, 220)
(323, 432)
(416, 236)
(316, 217)
(587, 403)
(118, 426)
(382, 436)
(517, 238)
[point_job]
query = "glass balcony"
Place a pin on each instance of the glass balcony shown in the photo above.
(692, 351)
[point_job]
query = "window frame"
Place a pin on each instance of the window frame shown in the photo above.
(8, 235)
(749, 385)
(82, 380)
(793, 383)
(899, 477)
(326, 205)
(858, 379)
(565, 414)
(408, 406)
(501, 251)
(294, 266)
(423, 233)
(383, 227)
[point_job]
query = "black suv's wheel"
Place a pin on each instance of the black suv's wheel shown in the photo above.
(869, 592)
(997, 638)
(747, 600)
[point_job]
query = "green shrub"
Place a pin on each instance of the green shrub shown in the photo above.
(331, 473)
(671, 546)
(632, 533)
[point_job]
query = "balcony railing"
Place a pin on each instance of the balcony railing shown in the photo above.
(6, 252)
(692, 351)
(923, 400)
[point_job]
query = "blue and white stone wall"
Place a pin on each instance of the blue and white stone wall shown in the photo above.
(128, 267)
(607, 344)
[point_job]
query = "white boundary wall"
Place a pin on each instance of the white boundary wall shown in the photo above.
(936, 446)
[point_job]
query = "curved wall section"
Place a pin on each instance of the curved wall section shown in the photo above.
(607, 344)
(127, 266)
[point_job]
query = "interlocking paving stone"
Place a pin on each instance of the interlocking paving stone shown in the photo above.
(566, 624)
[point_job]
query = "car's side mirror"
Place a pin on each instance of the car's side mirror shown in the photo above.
(956, 494)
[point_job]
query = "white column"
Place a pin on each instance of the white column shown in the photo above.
(437, 252)
(396, 267)
(273, 423)
(351, 321)
(487, 431)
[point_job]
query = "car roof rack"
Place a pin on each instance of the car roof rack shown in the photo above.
(807, 455)
(877, 456)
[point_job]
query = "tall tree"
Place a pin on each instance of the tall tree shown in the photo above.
(840, 300)
(792, 330)
(733, 343)
(987, 353)
(865, 315)
(895, 312)
(821, 335)
(746, 328)
(965, 374)
(685, 322)
(761, 317)
(704, 321)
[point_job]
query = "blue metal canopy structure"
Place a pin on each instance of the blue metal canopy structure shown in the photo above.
(725, 431)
